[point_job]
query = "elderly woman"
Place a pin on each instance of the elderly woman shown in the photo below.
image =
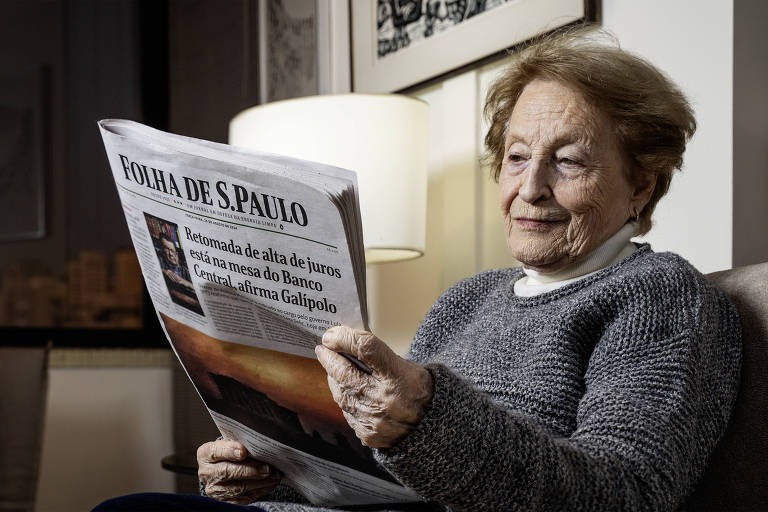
(600, 374)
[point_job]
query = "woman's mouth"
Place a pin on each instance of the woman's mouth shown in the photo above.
(536, 224)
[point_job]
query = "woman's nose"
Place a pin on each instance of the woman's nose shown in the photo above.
(536, 185)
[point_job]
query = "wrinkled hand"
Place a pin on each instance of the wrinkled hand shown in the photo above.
(229, 476)
(385, 406)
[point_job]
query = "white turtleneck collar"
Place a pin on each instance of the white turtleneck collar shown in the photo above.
(613, 250)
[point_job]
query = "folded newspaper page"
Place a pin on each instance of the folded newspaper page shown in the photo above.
(248, 258)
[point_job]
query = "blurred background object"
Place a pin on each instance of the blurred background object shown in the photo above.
(24, 381)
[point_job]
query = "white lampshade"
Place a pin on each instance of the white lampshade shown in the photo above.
(382, 137)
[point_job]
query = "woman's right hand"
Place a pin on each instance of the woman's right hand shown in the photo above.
(229, 476)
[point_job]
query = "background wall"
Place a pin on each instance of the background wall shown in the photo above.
(213, 65)
(750, 132)
(91, 54)
(106, 430)
(692, 41)
(41, 33)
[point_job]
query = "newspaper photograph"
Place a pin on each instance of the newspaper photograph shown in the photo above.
(249, 258)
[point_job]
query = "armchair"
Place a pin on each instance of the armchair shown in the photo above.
(736, 478)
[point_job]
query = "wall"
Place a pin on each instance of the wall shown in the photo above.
(29, 39)
(750, 132)
(692, 41)
(464, 230)
(90, 52)
(106, 430)
(213, 62)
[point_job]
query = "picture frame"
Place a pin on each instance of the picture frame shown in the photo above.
(397, 45)
(22, 154)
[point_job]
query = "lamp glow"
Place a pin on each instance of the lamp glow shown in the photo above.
(382, 137)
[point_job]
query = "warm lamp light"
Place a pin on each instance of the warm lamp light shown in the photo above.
(382, 137)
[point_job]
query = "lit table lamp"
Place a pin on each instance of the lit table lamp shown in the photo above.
(382, 137)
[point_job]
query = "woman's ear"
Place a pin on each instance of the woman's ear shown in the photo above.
(645, 183)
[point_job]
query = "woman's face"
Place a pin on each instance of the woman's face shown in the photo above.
(564, 182)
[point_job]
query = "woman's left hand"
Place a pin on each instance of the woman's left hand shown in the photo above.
(386, 405)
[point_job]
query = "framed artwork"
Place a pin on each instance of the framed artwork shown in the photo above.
(288, 40)
(397, 44)
(22, 155)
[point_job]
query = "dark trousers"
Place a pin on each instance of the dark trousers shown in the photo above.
(161, 502)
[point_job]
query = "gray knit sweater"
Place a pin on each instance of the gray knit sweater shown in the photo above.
(606, 394)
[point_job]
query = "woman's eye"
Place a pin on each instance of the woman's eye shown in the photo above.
(515, 158)
(569, 162)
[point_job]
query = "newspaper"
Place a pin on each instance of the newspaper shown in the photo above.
(248, 258)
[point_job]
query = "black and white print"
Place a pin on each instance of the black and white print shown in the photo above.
(403, 23)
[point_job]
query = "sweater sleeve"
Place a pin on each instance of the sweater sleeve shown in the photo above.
(652, 411)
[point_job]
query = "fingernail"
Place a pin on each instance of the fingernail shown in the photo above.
(317, 350)
(238, 453)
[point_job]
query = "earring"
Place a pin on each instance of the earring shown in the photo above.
(636, 214)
